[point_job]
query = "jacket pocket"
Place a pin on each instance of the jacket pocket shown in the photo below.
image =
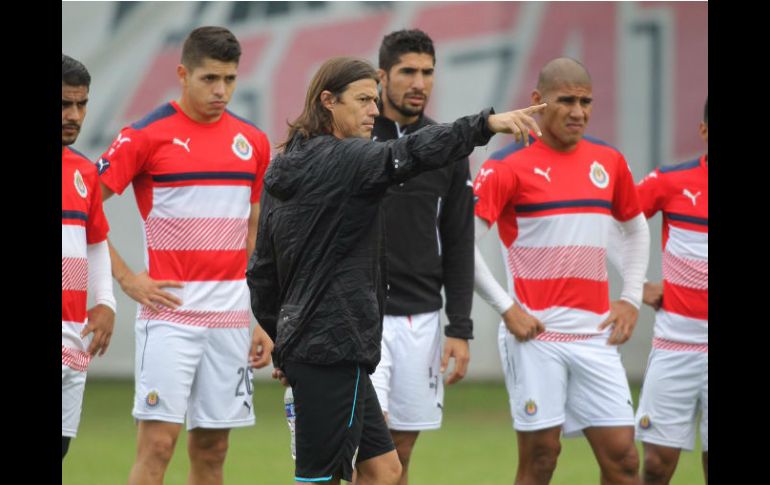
(288, 320)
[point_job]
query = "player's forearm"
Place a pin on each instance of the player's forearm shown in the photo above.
(488, 288)
(458, 286)
(459, 300)
(430, 148)
(120, 270)
(99, 279)
(485, 283)
(615, 245)
(262, 280)
(636, 254)
(458, 276)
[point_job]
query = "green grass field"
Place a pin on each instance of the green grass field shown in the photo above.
(476, 444)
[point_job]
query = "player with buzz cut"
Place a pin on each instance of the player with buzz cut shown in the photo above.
(555, 203)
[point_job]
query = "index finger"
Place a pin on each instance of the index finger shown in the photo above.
(616, 337)
(620, 332)
(461, 367)
(96, 343)
(532, 125)
(444, 359)
(534, 109)
(169, 283)
(105, 345)
(262, 361)
(610, 319)
(454, 376)
(170, 296)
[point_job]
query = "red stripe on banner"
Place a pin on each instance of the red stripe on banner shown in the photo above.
(73, 306)
(592, 296)
(582, 262)
(74, 274)
(75, 359)
(688, 302)
(448, 22)
(196, 234)
(564, 337)
(358, 36)
(199, 318)
(664, 344)
(198, 265)
(690, 273)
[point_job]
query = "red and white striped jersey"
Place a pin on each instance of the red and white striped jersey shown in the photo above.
(82, 223)
(681, 192)
(194, 185)
(553, 212)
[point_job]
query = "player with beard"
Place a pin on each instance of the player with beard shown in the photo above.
(429, 245)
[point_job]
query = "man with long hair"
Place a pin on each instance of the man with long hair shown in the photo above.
(317, 277)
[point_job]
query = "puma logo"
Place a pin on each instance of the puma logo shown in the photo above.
(544, 174)
(482, 176)
(690, 195)
(183, 144)
(118, 141)
(102, 165)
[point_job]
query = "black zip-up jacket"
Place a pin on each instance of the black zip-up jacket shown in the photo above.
(429, 238)
(317, 276)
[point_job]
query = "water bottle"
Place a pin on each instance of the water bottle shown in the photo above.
(288, 402)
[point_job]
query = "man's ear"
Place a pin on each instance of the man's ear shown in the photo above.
(181, 74)
(383, 75)
(328, 100)
(536, 97)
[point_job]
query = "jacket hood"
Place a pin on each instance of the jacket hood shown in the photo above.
(287, 169)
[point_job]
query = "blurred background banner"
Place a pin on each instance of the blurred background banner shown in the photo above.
(648, 61)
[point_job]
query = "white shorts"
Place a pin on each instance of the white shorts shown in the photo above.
(73, 383)
(576, 385)
(199, 372)
(407, 380)
(676, 386)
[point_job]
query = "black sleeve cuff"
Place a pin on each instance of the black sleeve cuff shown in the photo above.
(486, 132)
(459, 327)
